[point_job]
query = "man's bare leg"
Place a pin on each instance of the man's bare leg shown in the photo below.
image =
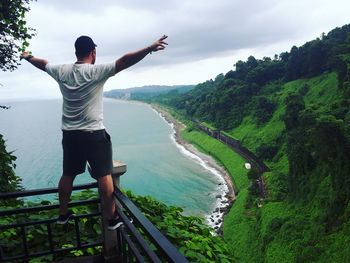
(106, 187)
(65, 187)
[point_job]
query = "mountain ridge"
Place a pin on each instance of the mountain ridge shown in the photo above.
(147, 91)
(293, 112)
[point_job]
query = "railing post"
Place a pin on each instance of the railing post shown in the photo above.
(119, 168)
(110, 245)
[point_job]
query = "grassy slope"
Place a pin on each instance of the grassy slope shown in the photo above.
(280, 248)
(320, 95)
(240, 232)
(255, 234)
(232, 162)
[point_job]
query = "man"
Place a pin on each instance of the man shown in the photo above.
(84, 136)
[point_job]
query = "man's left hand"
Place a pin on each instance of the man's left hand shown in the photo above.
(25, 55)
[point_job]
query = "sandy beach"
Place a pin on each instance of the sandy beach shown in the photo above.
(225, 199)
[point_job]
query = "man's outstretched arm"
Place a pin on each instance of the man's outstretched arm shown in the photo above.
(132, 58)
(37, 62)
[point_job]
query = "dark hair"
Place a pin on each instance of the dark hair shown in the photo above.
(83, 46)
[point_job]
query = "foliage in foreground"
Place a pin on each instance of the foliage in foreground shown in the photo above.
(9, 182)
(193, 238)
(63, 235)
(293, 112)
(14, 32)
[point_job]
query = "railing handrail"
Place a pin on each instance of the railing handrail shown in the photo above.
(41, 222)
(23, 225)
(43, 191)
(160, 241)
(165, 247)
(17, 211)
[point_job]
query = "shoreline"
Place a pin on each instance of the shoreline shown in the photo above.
(225, 194)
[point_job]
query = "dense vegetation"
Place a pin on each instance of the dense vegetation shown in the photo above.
(293, 112)
(14, 32)
(193, 238)
(9, 182)
(227, 99)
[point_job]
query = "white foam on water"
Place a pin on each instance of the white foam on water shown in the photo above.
(213, 219)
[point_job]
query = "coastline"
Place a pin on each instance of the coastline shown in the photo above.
(225, 195)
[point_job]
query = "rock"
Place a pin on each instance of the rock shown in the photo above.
(223, 209)
(220, 232)
(218, 196)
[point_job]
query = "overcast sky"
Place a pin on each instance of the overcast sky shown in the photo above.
(206, 38)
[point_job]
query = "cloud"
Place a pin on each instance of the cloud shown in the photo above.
(220, 32)
(196, 29)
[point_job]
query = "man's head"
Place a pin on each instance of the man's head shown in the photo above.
(84, 47)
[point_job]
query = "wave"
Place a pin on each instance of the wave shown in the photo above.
(214, 218)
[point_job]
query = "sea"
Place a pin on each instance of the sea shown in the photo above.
(141, 138)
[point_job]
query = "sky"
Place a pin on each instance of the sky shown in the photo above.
(206, 38)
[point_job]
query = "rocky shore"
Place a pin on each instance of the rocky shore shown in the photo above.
(225, 196)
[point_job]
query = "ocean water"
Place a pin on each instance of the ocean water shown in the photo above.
(141, 138)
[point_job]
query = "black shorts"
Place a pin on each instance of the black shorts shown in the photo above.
(80, 147)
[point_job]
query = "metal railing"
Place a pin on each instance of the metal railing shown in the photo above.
(134, 245)
(23, 226)
(133, 239)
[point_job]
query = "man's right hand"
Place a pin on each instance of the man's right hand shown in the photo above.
(132, 58)
(160, 44)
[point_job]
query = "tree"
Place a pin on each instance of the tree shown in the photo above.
(14, 33)
(13, 39)
(294, 104)
(294, 64)
(263, 109)
(9, 182)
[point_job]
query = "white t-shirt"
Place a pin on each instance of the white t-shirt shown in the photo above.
(82, 90)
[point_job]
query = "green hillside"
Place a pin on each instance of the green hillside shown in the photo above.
(293, 112)
(287, 230)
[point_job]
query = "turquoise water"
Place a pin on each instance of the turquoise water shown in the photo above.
(140, 137)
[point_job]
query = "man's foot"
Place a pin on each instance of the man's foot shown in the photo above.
(63, 219)
(114, 223)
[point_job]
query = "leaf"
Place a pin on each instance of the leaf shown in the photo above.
(90, 251)
(182, 250)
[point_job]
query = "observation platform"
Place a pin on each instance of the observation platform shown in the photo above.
(137, 240)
